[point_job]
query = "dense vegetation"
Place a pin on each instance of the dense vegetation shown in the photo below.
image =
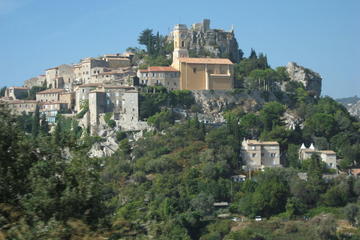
(165, 184)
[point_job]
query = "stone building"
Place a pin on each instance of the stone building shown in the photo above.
(89, 67)
(82, 93)
(327, 156)
(258, 154)
(49, 95)
(61, 76)
(117, 60)
(121, 76)
(164, 76)
(18, 107)
(17, 92)
(113, 99)
(199, 73)
(51, 109)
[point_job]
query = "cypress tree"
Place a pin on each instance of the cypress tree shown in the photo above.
(36, 122)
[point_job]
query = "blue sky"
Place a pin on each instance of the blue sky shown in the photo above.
(323, 35)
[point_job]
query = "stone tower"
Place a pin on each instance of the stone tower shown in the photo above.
(180, 34)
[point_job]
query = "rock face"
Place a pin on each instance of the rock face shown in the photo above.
(354, 109)
(311, 80)
(35, 81)
(204, 41)
(214, 103)
(352, 104)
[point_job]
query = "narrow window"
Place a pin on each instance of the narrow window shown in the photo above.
(194, 70)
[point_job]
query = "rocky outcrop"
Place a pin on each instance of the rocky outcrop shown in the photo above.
(214, 103)
(354, 109)
(311, 80)
(204, 41)
(35, 81)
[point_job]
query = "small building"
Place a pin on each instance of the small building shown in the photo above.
(17, 92)
(258, 154)
(238, 178)
(327, 156)
(49, 95)
(165, 76)
(51, 109)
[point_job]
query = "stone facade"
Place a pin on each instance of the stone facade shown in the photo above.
(16, 92)
(49, 95)
(106, 99)
(68, 98)
(61, 76)
(21, 106)
(117, 60)
(327, 156)
(164, 76)
(257, 154)
(82, 93)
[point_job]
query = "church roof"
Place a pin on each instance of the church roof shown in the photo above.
(206, 60)
(159, 69)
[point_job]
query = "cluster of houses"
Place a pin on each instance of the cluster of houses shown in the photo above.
(262, 154)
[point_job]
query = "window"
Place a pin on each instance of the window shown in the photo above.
(273, 154)
(253, 155)
(194, 70)
(182, 44)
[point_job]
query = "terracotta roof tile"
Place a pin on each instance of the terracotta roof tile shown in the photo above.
(206, 60)
(23, 88)
(159, 69)
(91, 85)
(255, 142)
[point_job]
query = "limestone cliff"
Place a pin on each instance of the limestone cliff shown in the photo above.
(311, 80)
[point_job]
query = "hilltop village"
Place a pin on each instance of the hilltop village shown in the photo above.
(183, 138)
(111, 84)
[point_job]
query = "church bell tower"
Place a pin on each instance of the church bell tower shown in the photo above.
(180, 34)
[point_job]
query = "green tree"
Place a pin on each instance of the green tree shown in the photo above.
(271, 115)
(36, 123)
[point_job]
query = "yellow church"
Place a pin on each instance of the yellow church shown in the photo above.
(199, 73)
